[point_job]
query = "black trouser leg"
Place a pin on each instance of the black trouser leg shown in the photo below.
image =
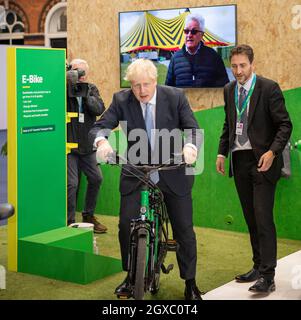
(89, 167)
(129, 209)
(244, 187)
(72, 184)
(256, 195)
(180, 214)
(264, 193)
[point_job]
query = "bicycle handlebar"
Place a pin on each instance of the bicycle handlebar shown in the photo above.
(146, 169)
(170, 164)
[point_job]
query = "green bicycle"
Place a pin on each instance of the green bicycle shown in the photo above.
(149, 234)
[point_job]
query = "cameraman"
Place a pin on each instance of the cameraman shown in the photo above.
(83, 98)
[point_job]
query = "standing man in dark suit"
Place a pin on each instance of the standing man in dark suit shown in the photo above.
(168, 109)
(256, 130)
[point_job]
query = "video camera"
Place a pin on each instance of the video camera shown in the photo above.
(75, 88)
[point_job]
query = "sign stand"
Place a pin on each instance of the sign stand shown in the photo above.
(39, 241)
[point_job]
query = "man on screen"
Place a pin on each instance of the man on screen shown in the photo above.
(196, 65)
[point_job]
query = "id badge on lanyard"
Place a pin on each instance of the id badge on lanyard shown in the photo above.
(81, 117)
(239, 128)
(239, 123)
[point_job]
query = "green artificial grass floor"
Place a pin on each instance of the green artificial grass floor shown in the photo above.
(221, 255)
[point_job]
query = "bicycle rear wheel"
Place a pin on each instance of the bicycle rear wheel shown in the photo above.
(140, 268)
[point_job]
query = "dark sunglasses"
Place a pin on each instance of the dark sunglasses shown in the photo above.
(193, 31)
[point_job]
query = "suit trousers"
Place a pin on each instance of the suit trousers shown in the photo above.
(256, 194)
(87, 164)
(180, 215)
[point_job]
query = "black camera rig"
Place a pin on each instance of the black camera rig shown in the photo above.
(76, 88)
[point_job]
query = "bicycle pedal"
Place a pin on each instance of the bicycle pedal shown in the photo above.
(123, 297)
(168, 269)
(172, 245)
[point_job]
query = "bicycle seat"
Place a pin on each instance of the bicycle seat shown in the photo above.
(6, 211)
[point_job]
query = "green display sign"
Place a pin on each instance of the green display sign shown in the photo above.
(41, 137)
(39, 242)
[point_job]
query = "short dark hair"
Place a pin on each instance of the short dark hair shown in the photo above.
(242, 49)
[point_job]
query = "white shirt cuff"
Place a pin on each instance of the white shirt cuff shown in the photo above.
(96, 140)
(191, 145)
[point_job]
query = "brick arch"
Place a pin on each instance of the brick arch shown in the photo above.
(21, 13)
(43, 15)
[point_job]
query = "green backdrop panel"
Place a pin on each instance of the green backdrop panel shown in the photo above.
(216, 204)
(110, 184)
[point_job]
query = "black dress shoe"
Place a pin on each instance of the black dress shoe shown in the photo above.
(263, 285)
(124, 289)
(250, 276)
(192, 292)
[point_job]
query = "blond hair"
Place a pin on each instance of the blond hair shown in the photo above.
(141, 67)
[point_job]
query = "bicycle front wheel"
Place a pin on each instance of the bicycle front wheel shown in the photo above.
(140, 268)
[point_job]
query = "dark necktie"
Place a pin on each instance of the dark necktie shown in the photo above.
(243, 138)
(149, 125)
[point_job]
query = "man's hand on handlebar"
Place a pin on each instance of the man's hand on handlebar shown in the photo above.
(104, 149)
(190, 154)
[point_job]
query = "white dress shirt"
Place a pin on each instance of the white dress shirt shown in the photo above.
(237, 146)
(247, 86)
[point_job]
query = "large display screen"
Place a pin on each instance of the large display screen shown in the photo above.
(189, 46)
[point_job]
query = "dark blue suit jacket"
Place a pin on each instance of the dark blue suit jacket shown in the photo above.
(172, 111)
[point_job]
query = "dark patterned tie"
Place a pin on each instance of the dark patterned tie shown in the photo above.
(243, 138)
(149, 124)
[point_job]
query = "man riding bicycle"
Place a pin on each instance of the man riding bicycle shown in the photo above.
(155, 117)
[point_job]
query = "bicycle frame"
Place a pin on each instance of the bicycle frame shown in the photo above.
(153, 225)
(149, 241)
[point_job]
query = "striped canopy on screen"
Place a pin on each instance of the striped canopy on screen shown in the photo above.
(151, 32)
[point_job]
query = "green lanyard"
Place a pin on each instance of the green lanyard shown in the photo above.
(246, 101)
